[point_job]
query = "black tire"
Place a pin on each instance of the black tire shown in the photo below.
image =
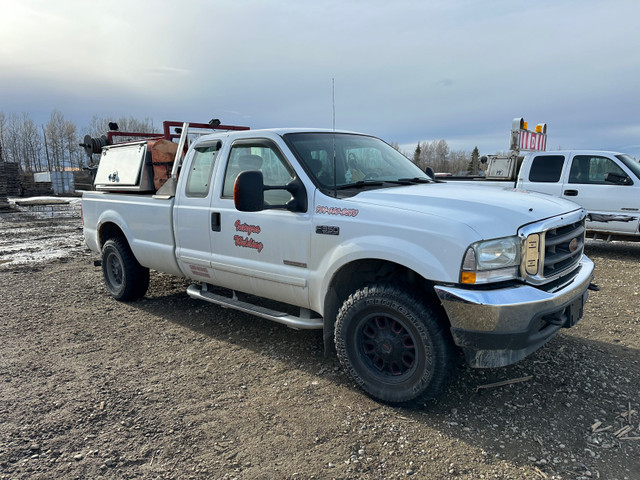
(393, 346)
(124, 277)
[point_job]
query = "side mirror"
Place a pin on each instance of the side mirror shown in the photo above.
(249, 188)
(248, 192)
(430, 173)
(617, 179)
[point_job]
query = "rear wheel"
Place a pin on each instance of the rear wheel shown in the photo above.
(124, 277)
(393, 346)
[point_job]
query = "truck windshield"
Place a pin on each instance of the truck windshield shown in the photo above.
(360, 161)
(632, 164)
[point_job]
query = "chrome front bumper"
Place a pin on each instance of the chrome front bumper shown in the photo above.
(499, 327)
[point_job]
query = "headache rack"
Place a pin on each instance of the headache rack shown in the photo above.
(144, 162)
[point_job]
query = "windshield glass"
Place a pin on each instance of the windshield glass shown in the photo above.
(633, 165)
(357, 158)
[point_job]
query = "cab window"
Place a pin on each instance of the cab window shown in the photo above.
(200, 172)
(546, 168)
(592, 169)
(263, 158)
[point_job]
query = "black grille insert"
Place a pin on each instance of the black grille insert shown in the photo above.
(563, 248)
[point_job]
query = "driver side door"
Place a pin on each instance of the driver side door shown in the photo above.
(265, 253)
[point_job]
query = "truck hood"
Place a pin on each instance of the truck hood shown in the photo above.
(491, 212)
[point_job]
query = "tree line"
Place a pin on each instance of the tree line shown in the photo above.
(442, 159)
(55, 146)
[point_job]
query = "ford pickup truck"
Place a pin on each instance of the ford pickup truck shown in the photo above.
(338, 231)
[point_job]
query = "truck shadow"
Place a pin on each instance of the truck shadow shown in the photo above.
(538, 412)
(613, 250)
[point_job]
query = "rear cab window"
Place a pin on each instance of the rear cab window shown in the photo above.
(200, 170)
(546, 168)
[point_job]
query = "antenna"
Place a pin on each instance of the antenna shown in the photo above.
(335, 181)
(333, 93)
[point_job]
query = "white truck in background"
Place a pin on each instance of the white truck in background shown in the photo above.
(338, 231)
(606, 184)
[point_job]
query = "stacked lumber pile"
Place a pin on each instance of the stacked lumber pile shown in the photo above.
(3, 188)
(33, 189)
(12, 178)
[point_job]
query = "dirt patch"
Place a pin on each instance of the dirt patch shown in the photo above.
(168, 387)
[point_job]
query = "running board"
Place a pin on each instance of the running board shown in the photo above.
(297, 323)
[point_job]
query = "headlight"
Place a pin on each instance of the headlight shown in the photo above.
(491, 261)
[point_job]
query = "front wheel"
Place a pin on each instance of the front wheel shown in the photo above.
(124, 277)
(393, 346)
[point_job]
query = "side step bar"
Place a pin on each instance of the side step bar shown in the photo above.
(298, 323)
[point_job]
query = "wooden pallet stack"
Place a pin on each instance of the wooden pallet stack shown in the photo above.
(4, 203)
(29, 188)
(12, 178)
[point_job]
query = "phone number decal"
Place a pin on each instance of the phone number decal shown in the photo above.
(343, 212)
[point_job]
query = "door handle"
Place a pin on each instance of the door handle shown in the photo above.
(215, 221)
(571, 193)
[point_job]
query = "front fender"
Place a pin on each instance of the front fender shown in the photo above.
(413, 256)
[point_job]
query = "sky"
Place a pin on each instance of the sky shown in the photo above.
(404, 70)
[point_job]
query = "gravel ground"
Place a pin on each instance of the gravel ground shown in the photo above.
(168, 387)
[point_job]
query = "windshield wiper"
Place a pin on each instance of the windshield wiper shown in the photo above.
(381, 183)
(361, 184)
(415, 180)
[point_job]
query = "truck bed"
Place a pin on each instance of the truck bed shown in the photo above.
(145, 219)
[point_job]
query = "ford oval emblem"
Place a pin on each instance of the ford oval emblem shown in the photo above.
(573, 246)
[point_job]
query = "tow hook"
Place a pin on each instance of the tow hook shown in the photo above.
(98, 263)
(593, 287)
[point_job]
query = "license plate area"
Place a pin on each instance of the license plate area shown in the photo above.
(574, 312)
(569, 315)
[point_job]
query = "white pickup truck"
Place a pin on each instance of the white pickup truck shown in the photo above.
(606, 184)
(338, 231)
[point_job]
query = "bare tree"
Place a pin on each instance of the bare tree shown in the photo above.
(11, 144)
(3, 121)
(100, 125)
(457, 161)
(72, 147)
(441, 155)
(31, 144)
(429, 154)
(54, 133)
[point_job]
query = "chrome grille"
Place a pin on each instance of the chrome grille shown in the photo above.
(558, 246)
(547, 247)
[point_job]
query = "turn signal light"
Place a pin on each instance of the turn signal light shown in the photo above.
(468, 277)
